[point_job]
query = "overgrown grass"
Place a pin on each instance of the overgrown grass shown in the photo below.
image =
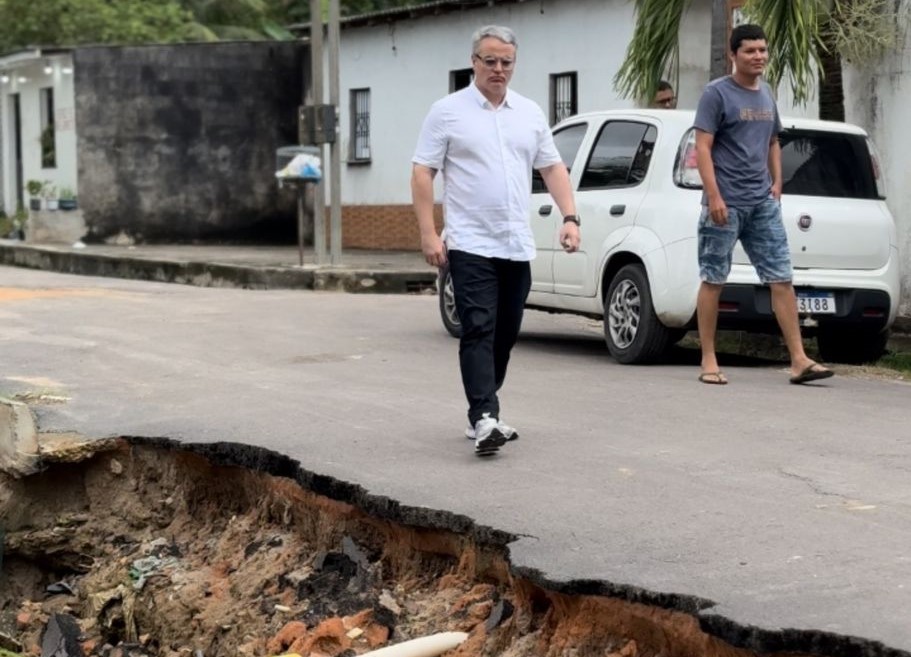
(899, 361)
(6, 653)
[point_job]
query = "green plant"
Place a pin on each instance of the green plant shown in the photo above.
(67, 194)
(49, 190)
(48, 147)
(34, 187)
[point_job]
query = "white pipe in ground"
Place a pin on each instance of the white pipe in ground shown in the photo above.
(427, 646)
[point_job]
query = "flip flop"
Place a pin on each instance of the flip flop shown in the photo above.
(812, 372)
(713, 378)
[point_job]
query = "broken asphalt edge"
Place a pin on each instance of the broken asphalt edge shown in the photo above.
(211, 274)
(757, 639)
(19, 455)
(19, 436)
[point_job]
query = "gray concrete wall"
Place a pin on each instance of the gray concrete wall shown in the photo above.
(177, 142)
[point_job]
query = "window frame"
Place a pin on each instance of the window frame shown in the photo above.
(359, 114)
(458, 75)
(572, 77)
(46, 102)
(646, 127)
(537, 181)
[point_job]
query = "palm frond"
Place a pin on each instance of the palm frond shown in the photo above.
(653, 52)
(793, 31)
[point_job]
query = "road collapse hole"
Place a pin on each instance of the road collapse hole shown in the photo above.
(140, 547)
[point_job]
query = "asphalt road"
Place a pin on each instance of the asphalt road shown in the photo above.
(781, 507)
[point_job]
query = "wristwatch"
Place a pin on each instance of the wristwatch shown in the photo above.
(573, 218)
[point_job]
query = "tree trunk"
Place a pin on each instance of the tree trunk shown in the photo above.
(831, 87)
(719, 47)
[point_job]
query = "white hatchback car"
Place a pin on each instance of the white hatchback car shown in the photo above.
(638, 194)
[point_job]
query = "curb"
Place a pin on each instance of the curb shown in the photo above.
(207, 274)
(18, 439)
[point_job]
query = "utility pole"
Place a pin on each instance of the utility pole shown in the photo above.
(335, 159)
(316, 81)
(719, 40)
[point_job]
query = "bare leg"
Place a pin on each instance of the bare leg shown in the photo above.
(784, 304)
(707, 321)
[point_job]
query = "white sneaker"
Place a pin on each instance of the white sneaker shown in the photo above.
(509, 433)
(488, 437)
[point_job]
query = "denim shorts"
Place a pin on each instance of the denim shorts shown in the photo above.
(761, 232)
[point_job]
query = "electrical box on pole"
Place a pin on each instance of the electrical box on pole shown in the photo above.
(317, 124)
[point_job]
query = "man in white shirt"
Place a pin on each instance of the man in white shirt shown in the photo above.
(486, 139)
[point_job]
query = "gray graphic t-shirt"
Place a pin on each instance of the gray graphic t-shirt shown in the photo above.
(743, 121)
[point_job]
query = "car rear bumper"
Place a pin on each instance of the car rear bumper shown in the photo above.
(750, 307)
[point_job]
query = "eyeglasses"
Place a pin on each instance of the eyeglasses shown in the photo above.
(666, 101)
(491, 62)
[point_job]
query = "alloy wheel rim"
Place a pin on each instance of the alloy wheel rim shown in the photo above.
(624, 312)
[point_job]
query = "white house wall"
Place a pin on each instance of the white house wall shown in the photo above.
(406, 66)
(35, 79)
(878, 99)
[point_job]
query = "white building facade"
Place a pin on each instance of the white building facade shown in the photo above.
(394, 65)
(38, 124)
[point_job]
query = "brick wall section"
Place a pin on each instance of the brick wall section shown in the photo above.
(387, 227)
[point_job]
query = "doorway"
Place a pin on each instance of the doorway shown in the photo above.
(16, 114)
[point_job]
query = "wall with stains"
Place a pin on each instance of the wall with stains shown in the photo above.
(878, 98)
(177, 142)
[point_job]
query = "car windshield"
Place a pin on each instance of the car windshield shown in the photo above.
(816, 163)
(813, 163)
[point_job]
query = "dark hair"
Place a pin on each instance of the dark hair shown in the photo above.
(664, 85)
(747, 32)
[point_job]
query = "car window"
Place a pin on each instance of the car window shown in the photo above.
(567, 140)
(621, 155)
(817, 163)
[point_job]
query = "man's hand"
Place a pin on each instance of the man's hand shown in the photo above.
(434, 250)
(718, 211)
(570, 239)
(776, 191)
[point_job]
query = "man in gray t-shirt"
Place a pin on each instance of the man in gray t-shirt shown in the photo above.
(739, 160)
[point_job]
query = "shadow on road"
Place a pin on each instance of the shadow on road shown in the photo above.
(593, 346)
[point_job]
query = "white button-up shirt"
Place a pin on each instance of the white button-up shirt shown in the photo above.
(486, 155)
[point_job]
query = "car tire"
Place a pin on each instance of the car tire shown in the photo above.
(632, 330)
(447, 303)
(851, 346)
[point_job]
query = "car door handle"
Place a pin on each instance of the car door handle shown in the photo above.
(617, 210)
(544, 210)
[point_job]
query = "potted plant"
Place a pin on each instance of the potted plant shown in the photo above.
(67, 198)
(50, 195)
(34, 188)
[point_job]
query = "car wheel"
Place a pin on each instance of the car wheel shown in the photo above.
(447, 303)
(852, 346)
(631, 328)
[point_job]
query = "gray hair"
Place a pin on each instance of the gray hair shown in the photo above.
(504, 34)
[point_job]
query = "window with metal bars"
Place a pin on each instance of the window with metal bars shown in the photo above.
(563, 96)
(360, 125)
(460, 78)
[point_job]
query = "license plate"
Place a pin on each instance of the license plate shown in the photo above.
(816, 303)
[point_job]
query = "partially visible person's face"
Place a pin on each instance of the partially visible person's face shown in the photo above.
(493, 67)
(751, 57)
(665, 99)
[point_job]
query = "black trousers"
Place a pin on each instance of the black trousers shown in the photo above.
(490, 296)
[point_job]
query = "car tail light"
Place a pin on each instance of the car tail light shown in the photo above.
(686, 173)
(877, 170)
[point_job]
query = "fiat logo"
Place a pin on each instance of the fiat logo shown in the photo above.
(804, 222)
